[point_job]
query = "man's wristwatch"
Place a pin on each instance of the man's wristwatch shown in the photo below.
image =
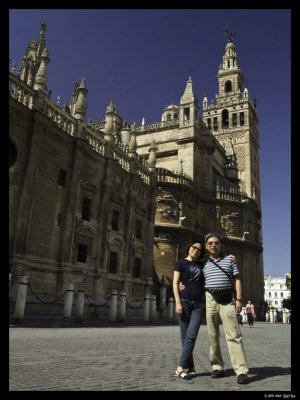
(240, 300)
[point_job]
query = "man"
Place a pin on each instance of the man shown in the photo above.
(222, 273)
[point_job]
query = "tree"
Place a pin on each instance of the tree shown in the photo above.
(286, 303)
(288, 281)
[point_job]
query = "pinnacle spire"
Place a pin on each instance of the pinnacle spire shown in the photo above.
(189, 93)
(41, 41)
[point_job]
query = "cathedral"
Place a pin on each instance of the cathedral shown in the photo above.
(111, 205)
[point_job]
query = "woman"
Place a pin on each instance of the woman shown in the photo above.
(249, 310)
(190, 304)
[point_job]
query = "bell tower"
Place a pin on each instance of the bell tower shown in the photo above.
(232, 117)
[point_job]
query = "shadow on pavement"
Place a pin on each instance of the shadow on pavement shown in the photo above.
(260, 373)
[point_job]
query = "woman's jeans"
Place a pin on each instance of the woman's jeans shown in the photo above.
(189, 323)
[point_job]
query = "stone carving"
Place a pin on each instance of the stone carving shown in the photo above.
(116, 181)
(115, 240)
(140, 209)
(185, 213)
(84, 228)
(167, 206)
(89, 186)
(229, 222)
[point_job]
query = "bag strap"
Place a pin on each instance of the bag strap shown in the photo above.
(225, 272)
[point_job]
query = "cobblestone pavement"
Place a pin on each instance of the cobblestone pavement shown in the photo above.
(119, 357)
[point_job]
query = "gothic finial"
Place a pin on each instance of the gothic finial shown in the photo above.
(181, 167)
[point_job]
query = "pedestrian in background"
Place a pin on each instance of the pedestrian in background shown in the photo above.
(249, 310)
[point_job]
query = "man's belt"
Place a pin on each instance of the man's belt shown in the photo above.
(213, 290)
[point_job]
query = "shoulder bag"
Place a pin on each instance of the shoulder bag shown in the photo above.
(223, 296)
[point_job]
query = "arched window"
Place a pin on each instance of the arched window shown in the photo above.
(234, 119)
(242, 121)
(228, 87)
(225, 120)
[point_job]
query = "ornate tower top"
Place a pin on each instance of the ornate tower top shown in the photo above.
(230, 61)
(230, 74)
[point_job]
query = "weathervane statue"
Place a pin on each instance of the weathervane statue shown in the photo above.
(229, 35)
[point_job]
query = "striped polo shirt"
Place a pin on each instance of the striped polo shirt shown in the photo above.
(215, 278)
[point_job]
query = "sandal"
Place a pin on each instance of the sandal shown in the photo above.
(182, 375)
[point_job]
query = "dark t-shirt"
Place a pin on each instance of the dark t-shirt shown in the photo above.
(191, 275)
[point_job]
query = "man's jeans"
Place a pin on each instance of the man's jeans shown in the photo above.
(189, 323)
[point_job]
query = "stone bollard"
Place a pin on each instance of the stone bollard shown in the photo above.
(153, 308)
(113, 306)
(284, 317)
(80, 304)
(170, 309)
(122, 307)
(21, 299)
(68, 301)
(147, 308)
(244, 316)
(162, 301)
(271, 317)
(267, 317)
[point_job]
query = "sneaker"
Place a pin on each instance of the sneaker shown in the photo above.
(182, 375)
(191, 372)
(217, 373)
(242, 379)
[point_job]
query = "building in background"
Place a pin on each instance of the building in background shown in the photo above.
(276, 290)
(110, 205)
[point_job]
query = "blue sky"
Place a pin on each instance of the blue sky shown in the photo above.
(142, 58)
